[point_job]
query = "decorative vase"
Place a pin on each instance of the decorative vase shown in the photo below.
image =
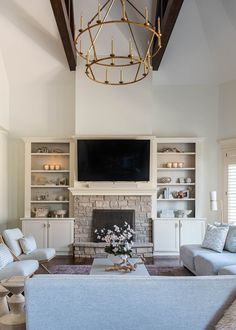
(116, 260)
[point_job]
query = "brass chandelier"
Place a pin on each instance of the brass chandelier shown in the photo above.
(117, 67)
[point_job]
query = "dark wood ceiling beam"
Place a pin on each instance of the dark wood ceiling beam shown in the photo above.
(168, 11)
(64, 15)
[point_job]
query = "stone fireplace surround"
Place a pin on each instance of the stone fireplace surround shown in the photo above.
(83, 211)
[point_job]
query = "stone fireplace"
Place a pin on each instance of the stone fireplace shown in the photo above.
(86, 205)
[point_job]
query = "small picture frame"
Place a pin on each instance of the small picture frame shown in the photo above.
(185, 193)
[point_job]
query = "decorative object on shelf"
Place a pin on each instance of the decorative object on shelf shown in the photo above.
(52, 167)
(44, 196)
(166, 214)
(166, 150)
(175, 164)
(117, 63)
(41, 150)
(57, 151)
(164, 179)
(180, 164)
(182, 213)
(119, 243)
(168, 165)
(46, 167)
(39, 180)
(61, 181)
(181, 180)
(188, 180)
(39, 212)
(60, 198)
(60, 213)
(183, 194)
(57, 167)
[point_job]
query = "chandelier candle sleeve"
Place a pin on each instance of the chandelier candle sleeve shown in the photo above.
(99, 13)
(146, 16)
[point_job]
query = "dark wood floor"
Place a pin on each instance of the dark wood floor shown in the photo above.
(69, 260)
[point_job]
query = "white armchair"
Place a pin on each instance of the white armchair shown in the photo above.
(12, 237)
(9, 267)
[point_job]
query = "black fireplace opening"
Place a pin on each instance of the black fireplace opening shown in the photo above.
(108, 218)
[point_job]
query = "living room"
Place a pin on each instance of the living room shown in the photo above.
(177, 125)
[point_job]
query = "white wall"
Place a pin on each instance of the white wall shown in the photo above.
(3, 180)
(4, 96)
(4, 125)
(227, 113)
(108, 110)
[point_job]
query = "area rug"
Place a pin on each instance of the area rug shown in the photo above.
(153, 270)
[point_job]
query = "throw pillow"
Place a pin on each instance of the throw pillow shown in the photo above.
(228, 321)
(28, 244)
(5, 256)
(215, 238)
(230, 243)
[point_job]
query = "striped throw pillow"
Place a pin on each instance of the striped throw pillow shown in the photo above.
(5, 256)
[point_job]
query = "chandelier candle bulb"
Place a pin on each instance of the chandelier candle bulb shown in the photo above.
(80, 47)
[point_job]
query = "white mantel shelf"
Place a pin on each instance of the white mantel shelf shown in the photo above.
(112, 191)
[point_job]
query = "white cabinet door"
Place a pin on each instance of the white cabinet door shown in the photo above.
(191, 232)
(166, 236)
(38, 229)
(61, 235)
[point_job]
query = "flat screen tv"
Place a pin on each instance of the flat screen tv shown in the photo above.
(113, 160)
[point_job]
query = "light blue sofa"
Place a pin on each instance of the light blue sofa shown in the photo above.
(83, 302)
(204, 262)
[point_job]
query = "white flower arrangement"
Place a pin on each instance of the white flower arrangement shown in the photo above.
(118, 241)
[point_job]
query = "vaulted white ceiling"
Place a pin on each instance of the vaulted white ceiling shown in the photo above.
(202, 48)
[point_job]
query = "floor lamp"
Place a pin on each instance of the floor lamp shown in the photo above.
(215, 204)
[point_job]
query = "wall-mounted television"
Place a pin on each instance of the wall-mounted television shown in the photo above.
(113, 160)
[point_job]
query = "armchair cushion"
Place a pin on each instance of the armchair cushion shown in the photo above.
(5, 256)
(39, 254)
(11, 238)
(28, 244)
(19, 268)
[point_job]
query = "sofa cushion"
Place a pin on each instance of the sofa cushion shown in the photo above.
(39, 254)
(230, 243)
(228, 270)
(19, 268)
(210, 264)
(188, 252)
(11, 238)
(215, 237)
(28, 244)
(5, 256)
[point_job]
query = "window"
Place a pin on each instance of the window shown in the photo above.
(231, 192)
(229, 185)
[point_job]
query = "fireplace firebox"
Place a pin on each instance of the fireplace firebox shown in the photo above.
(108, 218)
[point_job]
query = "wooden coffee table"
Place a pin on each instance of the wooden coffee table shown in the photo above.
(99, 265)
